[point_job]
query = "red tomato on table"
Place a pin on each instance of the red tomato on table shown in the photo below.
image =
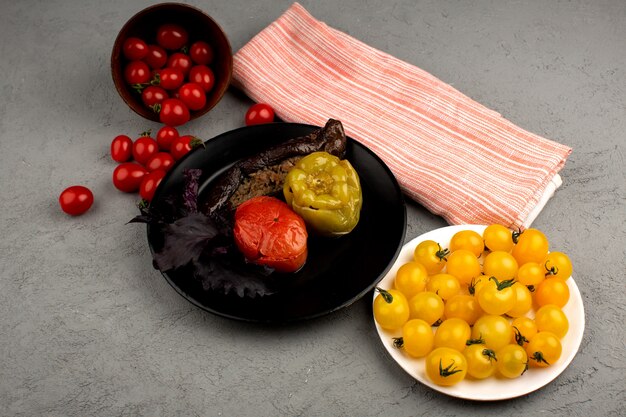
(259, 113)
(121, 148)
(149, 184)
(127, 176)
(160, 161)
(268, 232)
(183, 144)
(76, 200)
(165, 136)
(144, 148)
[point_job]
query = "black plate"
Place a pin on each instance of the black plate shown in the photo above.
(338, 271)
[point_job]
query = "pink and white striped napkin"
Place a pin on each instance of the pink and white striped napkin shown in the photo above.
(457, 158)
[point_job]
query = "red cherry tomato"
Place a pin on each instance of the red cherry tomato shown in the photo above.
(259, 113)
(174, 112)
(76, 200)
(156, 57)
(153, 95)
(171, 78)
(201, 53)
(144, 148)
(127, 176)
(183, 144)
(137, 72)
(203, 76)
(165, 136)
(160, 161)
(121, 148)
(150, 183)
(171, 36)
(134, 49)
(192, 95)
(180, 61)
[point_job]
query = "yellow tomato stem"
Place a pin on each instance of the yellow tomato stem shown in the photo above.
(479, 341)
(386, 295)
(398, 342)
(502, 285)
(538, 357)
(490, 354)
(519, 337)
(448, 370)
(442, 253)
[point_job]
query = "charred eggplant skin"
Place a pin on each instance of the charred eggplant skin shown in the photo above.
(331, 138)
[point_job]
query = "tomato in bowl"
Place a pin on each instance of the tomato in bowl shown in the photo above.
(159, 38)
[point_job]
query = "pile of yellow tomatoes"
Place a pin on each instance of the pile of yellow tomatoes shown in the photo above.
(488, 304)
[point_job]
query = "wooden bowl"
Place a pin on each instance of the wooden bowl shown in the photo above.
(200, 26)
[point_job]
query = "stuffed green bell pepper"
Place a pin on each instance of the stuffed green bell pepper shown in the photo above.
(326, 192)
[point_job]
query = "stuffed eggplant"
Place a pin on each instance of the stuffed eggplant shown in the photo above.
(265, 172)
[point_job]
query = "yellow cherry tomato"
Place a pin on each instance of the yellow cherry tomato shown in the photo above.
(427, 306)
(512, 361)
(444, 285)
(464, 307)
(558, 265)
(469, 240)
(417, 338)
(494, 331)
(544, 349)
(391, 309)
(530, 274)
(552, 319)
(481, 362)
(497, 297)
(430, 254)
(524, 328)
(445, 366)
(464, 265)
(552, 291)
(453, 333)
(410, 279)
(532, 246)
(498, 237)
(501, 265)
(523, 300)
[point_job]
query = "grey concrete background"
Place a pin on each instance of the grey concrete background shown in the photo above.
(88, 328)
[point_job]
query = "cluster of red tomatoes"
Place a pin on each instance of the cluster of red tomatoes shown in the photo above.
(468, 309)
(173, 79)
(145, 161)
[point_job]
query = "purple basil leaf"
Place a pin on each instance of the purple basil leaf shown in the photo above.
(184, 241)
(190, 193)
(221, 273)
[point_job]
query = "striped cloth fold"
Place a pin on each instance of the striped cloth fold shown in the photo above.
(452, 155)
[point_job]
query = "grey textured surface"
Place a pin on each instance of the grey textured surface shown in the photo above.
(88, 328)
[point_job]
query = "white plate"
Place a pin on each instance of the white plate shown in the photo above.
(493, 388)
